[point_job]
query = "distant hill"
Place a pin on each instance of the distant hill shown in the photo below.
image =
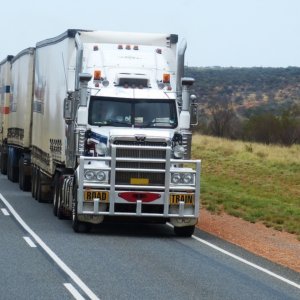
(251, 90)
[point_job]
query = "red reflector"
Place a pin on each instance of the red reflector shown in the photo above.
(134, 196)
(5, 110)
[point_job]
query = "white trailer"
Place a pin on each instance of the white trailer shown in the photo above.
(20, 118)
(5, 79)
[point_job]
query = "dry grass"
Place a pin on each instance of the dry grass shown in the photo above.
(249, 180)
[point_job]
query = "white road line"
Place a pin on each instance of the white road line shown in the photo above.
(5, 212)
(29, 241)
(73, 291)
(54, 257)
(296, 285)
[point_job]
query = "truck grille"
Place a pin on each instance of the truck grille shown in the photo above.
(124, 178)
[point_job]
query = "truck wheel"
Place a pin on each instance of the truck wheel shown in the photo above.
(24, 180)
(3, 162)
(78, 226)
(186, 231)
(8, 165)
(33, 185)
(55, 193)
(14, 166)
(37, 185)
(21, 173)
(60, 210)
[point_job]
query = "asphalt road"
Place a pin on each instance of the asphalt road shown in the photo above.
(123, 261)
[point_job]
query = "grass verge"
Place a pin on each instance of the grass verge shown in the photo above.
(256, 182)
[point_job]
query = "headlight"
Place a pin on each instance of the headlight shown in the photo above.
(100, 176)
(178, 151)
(89, 175)
(188, 178)
(182, 178)
(176, 178)
(101, 149)
(94, 175)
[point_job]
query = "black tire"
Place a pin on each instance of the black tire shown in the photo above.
(186, 231)
(21, 173)
(37, 185)
(24, 180)
(78, 226)
(8, 166)
(60, 210)
(3, 163)
(33, 184)
(14, 167)
(55, 193)
(26, 183)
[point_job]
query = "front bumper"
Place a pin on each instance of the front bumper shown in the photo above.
(139, 200)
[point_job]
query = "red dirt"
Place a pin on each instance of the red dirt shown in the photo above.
(280, 247)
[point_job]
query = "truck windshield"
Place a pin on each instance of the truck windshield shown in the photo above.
(144, 113)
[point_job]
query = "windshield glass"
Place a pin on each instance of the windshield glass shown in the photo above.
(132, 113)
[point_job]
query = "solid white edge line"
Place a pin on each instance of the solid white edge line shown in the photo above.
(245, 261)
(248, 262)
(73, 291)
(29, 241)
(5, 212)
(54, 257)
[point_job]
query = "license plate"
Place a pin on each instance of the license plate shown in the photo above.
(90, 195)
(139, 181)
(188, 199)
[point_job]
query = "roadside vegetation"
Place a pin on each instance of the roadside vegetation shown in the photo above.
(256, 182)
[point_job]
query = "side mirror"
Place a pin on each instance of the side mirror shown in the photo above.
(69, 108)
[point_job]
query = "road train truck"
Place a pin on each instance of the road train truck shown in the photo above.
(110, 133)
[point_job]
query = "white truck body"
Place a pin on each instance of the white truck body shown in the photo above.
(20, 116)
(54, 76)
(110, 129)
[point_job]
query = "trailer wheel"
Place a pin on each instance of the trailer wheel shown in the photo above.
(186, 231)
(24, 180)
(33, 185)
(21, 174)
(60, 210)
(38, 185)
(78, 226)
(14, 166)
(8, 164)
(3, 162)
(55, 193)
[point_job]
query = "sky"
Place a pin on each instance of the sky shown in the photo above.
(226, 33)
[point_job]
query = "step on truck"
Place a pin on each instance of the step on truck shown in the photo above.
(110, 134)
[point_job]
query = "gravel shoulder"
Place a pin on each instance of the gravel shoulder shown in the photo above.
(280, 247)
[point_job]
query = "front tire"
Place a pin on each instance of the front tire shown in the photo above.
(55, 193)
(186, 231)
(78, 226)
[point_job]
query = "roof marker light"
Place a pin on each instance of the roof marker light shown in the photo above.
(166, 78)
(128, 47)
(120, 47)
(135, 47)
(97, 75)
(158, 51)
